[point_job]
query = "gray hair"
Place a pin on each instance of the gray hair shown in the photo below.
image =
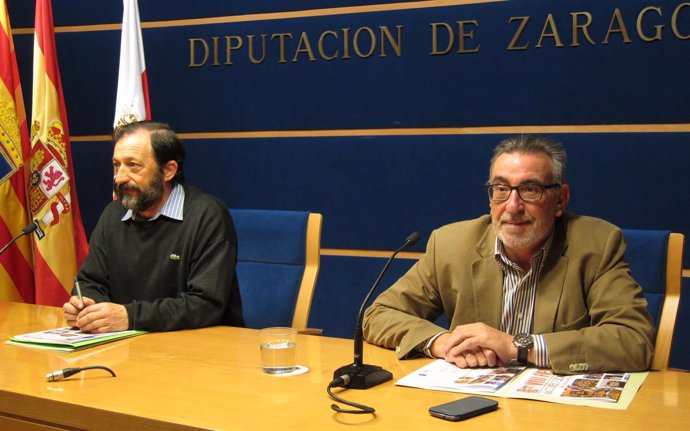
(529, 144)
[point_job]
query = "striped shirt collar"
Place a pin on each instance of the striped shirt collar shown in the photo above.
(172, 208)
(539, 256)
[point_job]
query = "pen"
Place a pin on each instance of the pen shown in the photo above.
(76, 284)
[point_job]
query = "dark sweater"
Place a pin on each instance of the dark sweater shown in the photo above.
(168, 274)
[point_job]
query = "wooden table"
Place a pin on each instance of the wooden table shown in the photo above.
(211, 379)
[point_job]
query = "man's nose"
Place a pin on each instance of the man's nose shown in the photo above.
(514, 204)
(121, 176)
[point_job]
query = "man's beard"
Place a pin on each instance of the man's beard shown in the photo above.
(147, 197)
(537, 231)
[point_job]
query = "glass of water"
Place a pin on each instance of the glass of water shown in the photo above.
(278, 350)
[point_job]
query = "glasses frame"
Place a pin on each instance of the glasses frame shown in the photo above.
(542, 187)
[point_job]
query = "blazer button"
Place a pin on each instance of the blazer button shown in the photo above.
(581, 366)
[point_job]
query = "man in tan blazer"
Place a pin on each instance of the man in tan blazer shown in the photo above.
(529, 283)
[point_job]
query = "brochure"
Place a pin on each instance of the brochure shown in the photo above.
(603, 390)
(67, 339)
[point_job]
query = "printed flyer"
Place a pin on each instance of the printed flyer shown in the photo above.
(603, 390)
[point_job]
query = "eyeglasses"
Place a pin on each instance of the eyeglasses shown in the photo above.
(528, 192)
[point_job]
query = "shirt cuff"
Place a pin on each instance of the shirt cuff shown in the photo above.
(541, 353)
(425, 346)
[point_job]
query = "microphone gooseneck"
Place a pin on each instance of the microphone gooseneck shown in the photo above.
(359, 337)
(359, 375)
(31, 227)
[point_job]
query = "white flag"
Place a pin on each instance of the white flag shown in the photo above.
(132, 85)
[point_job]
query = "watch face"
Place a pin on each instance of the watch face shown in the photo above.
(523, 340)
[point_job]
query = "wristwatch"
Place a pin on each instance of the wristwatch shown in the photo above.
(523, 342)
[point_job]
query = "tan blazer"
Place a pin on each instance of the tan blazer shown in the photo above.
(593, 315)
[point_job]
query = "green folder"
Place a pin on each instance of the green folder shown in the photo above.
(68, 339)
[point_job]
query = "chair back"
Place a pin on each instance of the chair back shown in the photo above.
(277, 265)
(656, 262)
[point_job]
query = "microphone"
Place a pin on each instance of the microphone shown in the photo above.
(31, 227)
(359, 375)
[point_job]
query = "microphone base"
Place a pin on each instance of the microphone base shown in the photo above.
(364, 376)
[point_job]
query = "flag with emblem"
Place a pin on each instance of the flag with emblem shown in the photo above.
(132, 84)
(16, 263)
(52, 193)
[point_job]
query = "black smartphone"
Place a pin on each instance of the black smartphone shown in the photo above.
(464, 408)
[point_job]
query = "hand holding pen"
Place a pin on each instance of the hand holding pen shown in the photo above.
(84, 313)
(75, 305)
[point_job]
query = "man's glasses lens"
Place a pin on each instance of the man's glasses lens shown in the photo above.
(527, 192)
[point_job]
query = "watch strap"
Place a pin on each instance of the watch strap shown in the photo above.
(523, 353)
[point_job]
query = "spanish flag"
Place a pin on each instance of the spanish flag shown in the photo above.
(16, 262)
(52, 193)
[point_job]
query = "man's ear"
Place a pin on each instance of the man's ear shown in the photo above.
(562, 199)
(169, 170)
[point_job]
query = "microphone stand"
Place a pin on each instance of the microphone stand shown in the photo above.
(359, 375)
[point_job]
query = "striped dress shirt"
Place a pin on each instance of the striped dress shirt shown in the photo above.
(519, 296)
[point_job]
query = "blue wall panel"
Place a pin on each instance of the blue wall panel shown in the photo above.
(372, 191)
(375, 190)
(93, 177)
(343, 284)
(628, 80)
(537, 86)
(86, 12)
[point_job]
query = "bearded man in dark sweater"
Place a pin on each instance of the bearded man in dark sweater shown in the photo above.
(162, 257)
